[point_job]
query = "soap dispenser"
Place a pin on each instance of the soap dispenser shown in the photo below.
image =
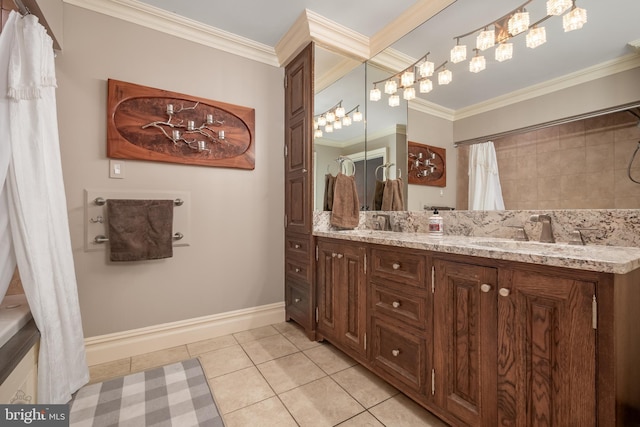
(436, 224)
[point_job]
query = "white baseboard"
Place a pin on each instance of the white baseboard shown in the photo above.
(119, 345)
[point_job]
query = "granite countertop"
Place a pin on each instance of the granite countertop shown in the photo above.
(605, 259)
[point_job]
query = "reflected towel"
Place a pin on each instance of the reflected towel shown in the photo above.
(345, 212)
(329, 184)
(393, 195)
(140, 229)
(377, 195)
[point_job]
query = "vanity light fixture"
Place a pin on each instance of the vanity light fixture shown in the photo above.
(575, 19)
(536, 37)
(335, 118)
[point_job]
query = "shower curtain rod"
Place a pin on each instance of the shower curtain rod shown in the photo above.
(22, 8)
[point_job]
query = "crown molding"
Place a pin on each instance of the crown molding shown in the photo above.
(392, 60)
(427, 107)
(635, 45)
(154, 18)
(598, 71)
(409, 20)
(389, 130)
(334, 74)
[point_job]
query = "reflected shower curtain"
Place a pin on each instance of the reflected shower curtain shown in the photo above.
(38, 210)
(485, 192)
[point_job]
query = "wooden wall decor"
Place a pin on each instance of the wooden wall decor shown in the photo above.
(144, 123)
(426, 164)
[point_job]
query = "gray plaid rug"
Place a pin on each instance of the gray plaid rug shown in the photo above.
(173, 395)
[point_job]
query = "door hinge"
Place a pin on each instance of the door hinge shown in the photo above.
(365, 340)
(433, 381)
(316, 314)
(286, 150)
(594, 311)
(316, 252)
(433, 279)
(365, 263)
(285, 220)
(286, 81)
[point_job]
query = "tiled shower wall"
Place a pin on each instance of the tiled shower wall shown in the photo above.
(582, 164)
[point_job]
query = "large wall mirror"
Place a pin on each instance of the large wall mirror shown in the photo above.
(536, 106)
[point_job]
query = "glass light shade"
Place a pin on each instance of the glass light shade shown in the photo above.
(518, 23)
(445, 77)
(409, 93)
(357, 116)
(536, 36)
(394, 101)
(574, 20)
(346, 121)
(408, 78)
(337, 125)
(317, 133)
(458, 54)
(477, 64)
(315, 125)
(375, 94)
(426, 86)
(426, 69)
(331, 117)
(557, 7)
(340, 112)
(504, 51)
(486, 39)
(328, 128)
(390, 87)
(322, 120)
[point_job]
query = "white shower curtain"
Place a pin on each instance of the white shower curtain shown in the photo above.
(485, 192)
(37, 208)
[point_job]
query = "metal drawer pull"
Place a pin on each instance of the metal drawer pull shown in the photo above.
(296, 246)
(395, 353)
(396, 265)
(504, 292)
(340, 256)
(298, 270)
(297, 300)
(395, 304)
(485, 288)
(333, 255)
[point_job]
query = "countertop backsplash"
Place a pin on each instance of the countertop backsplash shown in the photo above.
(613, 227)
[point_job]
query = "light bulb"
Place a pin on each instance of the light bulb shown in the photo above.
(558, 7)
(409, 93)
(504, 51)
(317, 133)
(445, 77)
(394, 101)
(426, 69)
(357, 116)
(486, 39)
(337, 125)
(426, 86)
(390, 87)
(346, 121)
(458, 53)
(407, 78)
(330, 116)
(322, 120)
(375, 94)
(328, 128)
(518, 23)
(536, 37)
(477, 64)
(340, 112)
(574, 20)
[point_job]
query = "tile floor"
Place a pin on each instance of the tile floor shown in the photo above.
(276, 376)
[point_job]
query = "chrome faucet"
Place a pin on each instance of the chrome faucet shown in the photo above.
(546, 236)
(382, 222)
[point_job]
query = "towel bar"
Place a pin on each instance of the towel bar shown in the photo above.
(104, 239)
(101, 201)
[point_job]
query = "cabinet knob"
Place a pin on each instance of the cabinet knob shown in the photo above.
(297, 270)
(396, 265)
(296, 246)
(333, 255)
(395, 304)
(504, 292)
(340, 256)
(395, 353)
(304, 170)
(485, 287)
(297, 300)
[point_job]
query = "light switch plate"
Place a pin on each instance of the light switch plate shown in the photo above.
(116, 169)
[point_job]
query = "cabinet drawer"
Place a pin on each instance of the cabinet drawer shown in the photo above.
(298, 269)
(298, 304)
(402, 306)
(298, 246)
(400, 266)
(399, 355)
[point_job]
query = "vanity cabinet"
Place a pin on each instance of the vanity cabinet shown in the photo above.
(482, 342)
(341, 296)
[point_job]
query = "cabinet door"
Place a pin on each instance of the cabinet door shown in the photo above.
(546, 347)
(341, 288)
(465, 317)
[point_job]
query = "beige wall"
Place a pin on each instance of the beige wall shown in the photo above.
(577, 165)
(235, 260)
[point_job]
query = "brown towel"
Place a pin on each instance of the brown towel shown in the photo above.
(140, 229)
(329, 183)
(346, 212)
(393, 197)
(377, 195)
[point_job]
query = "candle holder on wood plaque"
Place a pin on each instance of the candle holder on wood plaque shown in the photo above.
(426, 164)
